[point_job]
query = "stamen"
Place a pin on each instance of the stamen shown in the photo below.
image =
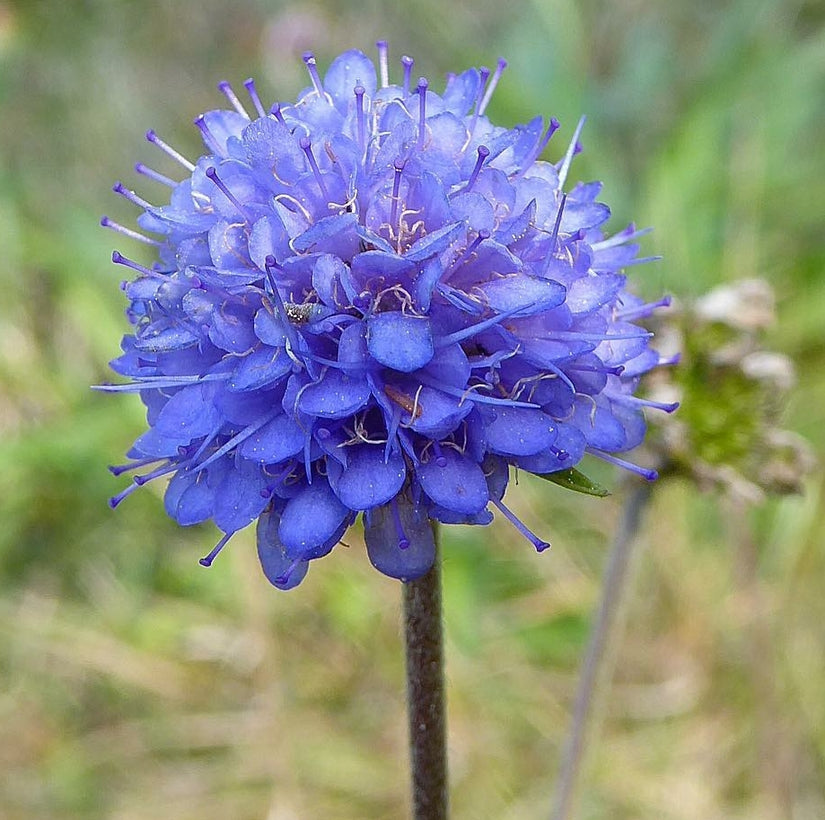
(383, 63)
(668, 361)
(642, 311)
(312, 69)
(306, 147)
(502, 64)
(208, 136)
(157, 177)
(360, 117)
(540, 145)
(403, 541)
(554, 237)
(122, 190)
(667, 407)
(422, 110)
(119, 259)
(119, 469)
(207, 560)
(483, 153)
(249, 85)
(168, 150)
(226, 89)
(407, 63)
(396, 187)
(571, 150)
(484, 74)
(116, 499)
(589, 368)
(164, 469)
(212, 173)
(105, 222)
(482, 235)
(517, 523)
(648, 475)
(288, 328)
(275, 111)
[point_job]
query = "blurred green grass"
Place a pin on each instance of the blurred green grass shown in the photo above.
(135, 684)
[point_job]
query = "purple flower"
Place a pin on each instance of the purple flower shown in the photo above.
(374, 300)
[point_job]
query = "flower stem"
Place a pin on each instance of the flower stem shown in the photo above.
(425, 694)
(597, 664)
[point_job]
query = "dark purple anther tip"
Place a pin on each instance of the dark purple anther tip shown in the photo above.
(117, 256)
(441, 461)
(305, 142)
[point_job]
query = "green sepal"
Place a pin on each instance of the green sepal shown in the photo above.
(577, 481)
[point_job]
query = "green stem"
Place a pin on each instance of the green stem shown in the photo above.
(597, 661)
(425, 694)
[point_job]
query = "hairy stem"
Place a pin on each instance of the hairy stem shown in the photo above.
(597, 662)
(425, 694)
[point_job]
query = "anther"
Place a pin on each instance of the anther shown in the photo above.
(226, 89)
(213, 175)
(207, 560)
(275, 111)
(249, 85)
(306, 147)
(122, 190)
(422, 110)
(312, 69)
(105, 222)
(167, 149)
(407, 64)
(383, 62)
(502, 64)
(483, 153)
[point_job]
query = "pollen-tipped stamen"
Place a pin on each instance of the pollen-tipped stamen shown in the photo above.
(537, 542)
(312, 70)
(212, 173)
(648, 475)
(483, 153)
(167, 149)
(106, 222)
(120, 189)
(407, 64)
(306, 146)
(383, 62)
(422, 111)
(151, 173)
(249, 85)
(207, 560)
(226, 89)
(488, 94)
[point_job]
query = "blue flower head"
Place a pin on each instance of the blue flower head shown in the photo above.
(374, 301)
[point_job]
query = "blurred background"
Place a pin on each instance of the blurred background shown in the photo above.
(135, 684)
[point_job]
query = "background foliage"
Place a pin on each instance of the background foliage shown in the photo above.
(135, 684)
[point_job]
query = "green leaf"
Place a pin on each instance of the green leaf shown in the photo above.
(574, 480)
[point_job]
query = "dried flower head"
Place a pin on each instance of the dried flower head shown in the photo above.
(375, 300)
